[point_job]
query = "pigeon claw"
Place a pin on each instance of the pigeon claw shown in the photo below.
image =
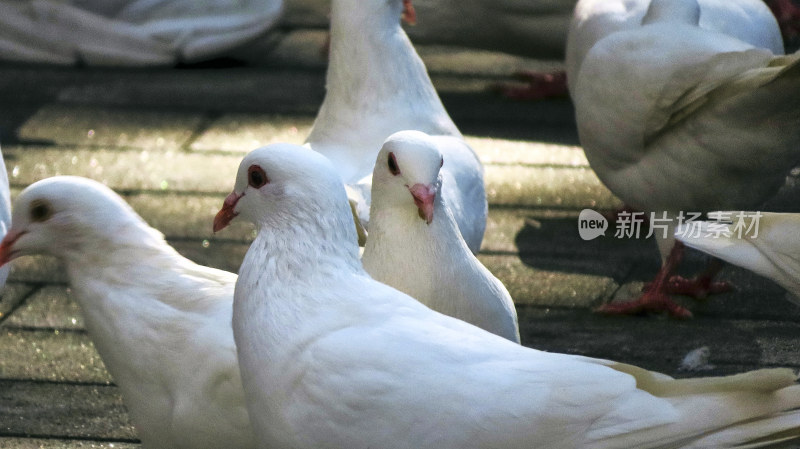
(696, 288)
(650, 302)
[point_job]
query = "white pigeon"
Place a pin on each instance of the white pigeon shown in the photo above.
(414, 243)
(332, 358)
(160, 322)
(130, 32)
(5, 213)
(748, 20)
(763, 242)
(378, 85)
(674, 118)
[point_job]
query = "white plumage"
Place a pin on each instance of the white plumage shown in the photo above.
(130, 32)
(675, 118)
(376, 85)
(748, 20)
(332, 358)
(764, 242)
(160, 322)
(5, 214)
(414, 243)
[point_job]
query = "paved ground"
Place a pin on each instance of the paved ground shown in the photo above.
(170, 140)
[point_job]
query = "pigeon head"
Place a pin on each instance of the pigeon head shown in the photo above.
(282, 184)
(406, 173)
(66, 215)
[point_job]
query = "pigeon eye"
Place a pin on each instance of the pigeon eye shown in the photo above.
(441, 164)
(393, 168)
(40, 211)
(256, 177)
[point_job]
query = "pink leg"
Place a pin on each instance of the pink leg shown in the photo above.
(655, 299)
(700, 286)
(539, 86)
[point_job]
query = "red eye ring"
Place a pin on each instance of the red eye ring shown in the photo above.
(256, 177)
(393, 167)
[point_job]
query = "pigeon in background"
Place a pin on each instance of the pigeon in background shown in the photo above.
(332, 358)
(377, 85)
(5, 214)
(763, 242)
(676, 119)
(160, 322)
(132, 33)
(415, 245)
(750, 21)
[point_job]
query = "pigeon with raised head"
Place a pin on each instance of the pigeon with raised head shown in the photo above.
(763, 242)
(332, 358)
(414, 243)
(160, 322)
(378, 85)
(713, 123)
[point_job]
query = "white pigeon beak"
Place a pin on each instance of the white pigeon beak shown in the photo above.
(7, 252)
(423, 198)
(227, 213)
(409, 14)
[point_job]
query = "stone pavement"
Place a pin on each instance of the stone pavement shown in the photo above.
(170, 140)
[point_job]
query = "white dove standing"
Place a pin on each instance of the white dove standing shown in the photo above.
(160, 322)
(414, 243)
(763, 242)
(332, 358)
(378, 85)
(5, 213)
(674, 118)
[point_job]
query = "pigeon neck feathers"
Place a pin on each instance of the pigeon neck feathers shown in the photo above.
(681, 11)
(302, 214)
(376, 85)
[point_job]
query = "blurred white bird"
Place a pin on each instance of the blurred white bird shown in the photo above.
(130, 32)
(160, 322)
(764, 242)
(5, 214)
(414, 243)
(332, 358)
(676, 119)
(377, 85)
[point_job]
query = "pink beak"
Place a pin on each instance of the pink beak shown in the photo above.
(423, 198)
(409, 14)
(7, 247)
(226, 214)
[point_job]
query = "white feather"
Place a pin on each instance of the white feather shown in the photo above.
(332, 358)
(160, 322)
(430, 262)
(748, 20)
(5, 214)
(674, 117)
(767, 248)
(378, 85)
